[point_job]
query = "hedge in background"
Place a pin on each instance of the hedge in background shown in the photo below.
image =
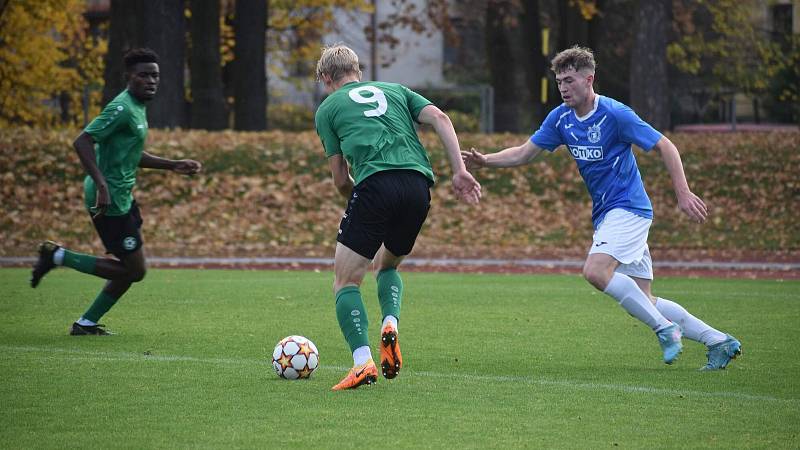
(270, 193)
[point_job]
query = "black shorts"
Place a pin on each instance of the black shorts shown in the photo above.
(388, 208)
(121, 234)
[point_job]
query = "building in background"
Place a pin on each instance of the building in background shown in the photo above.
(424, 61)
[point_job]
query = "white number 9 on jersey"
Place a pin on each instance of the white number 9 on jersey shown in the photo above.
(377, 97)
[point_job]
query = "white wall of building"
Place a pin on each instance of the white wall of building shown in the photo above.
(417, 61)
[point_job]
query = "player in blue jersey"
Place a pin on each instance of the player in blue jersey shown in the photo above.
(599, 131)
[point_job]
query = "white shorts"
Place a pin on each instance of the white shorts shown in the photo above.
(623, 235)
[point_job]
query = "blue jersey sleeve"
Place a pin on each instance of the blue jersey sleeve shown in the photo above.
(634, 130)
(547, 136)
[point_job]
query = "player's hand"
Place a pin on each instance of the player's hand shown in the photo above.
(473, 159)
(102, 203)
(187, 166)
(693, 206)
(467, 188)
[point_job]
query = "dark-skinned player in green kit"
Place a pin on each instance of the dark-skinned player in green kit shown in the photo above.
(367, 129)
(111, 150)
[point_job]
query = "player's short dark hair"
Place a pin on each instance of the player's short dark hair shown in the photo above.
(139, 55)
(576, 58)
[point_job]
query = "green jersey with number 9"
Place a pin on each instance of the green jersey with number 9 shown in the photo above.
(372, 124)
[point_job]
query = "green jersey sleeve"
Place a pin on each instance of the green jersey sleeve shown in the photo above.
(114, 116)
(330, 141)
(415, 102)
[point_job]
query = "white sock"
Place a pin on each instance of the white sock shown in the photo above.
(58, 257)
(390, 319)
(86, 323)
(361, 355)
(693, 328)
(635, 302)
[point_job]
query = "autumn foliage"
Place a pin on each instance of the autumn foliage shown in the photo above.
(46, 53)
(268, 194)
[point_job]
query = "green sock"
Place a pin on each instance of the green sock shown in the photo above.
(352, 317)
(101, 305)
(390, 292)
(79, 261)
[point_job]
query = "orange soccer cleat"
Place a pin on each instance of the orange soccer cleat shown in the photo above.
(391, 359)
(366, 373)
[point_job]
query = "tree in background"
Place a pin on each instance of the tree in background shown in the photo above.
(723, 50)
(649, 84)
(86, 50)
(611, 37)
(514, 62)
(50, 62)
(209, 109)
(164, 31)
(297, 28)
(572, 27)
(43, 53)
(534, 62)
(518, 106)
(503, 66)
(124, 33)
(249, 71)
(783, 70)
(160, 26)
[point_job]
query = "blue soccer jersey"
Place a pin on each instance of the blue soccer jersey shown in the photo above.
(600, 143)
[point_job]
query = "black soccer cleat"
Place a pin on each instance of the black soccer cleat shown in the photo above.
(44, 263)
(89, 330)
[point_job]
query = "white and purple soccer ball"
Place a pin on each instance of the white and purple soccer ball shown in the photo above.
(295, 357)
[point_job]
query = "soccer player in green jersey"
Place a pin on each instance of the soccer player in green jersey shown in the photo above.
(380, 166)
(118, 135)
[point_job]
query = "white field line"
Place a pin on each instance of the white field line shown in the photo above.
(77, 354)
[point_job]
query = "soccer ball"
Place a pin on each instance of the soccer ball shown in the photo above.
(295, 357)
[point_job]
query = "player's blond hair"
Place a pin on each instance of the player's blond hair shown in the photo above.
(337, 61)
(576, 58)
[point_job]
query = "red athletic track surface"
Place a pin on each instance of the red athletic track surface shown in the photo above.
(518, 269)
(779, 265)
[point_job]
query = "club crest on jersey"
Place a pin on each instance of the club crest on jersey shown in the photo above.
(593, 134)
(586, 152)
(129, 243)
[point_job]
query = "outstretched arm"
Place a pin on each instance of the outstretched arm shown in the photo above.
(688, 202)
(509, 157)
(182, 166)
(466, 187)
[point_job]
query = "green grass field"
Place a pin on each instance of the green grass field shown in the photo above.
(491, 361)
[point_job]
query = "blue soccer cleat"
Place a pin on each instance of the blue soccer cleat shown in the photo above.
(719, 355)
(670, 340)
